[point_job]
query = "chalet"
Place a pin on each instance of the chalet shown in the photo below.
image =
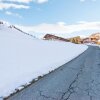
(53, 37)
(86, 40)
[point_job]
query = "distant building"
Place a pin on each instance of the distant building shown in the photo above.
(98, 42)
(76, 40)
(53, 37)
(95, 36)
(86, 40)
(93, 39)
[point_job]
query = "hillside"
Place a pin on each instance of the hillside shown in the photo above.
(13, 29)
(23, 58)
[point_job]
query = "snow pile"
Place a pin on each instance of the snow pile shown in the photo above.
(23, 58)
(91, 44)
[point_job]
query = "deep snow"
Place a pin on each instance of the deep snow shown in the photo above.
(23, 58)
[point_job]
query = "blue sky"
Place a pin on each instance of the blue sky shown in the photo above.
(40, 13)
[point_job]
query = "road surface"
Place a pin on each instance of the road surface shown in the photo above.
(77, 80)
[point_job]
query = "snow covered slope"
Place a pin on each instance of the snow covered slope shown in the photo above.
(23, 58)
(6, 27)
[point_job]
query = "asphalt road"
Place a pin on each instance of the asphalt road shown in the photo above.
(77, 80)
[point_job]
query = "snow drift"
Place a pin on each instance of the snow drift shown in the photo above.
(23, 58)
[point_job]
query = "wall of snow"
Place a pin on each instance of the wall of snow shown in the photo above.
(23, 58)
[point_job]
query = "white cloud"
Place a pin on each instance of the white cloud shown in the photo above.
(26, 1)
(82, 0)
(87, 0)
(57, 28)
(12, 5)
(40, 1)
(7, 4)
(8, 13)
(20, 1)
(81, 22)
(13, 14)
(94, 0)
(61, 23)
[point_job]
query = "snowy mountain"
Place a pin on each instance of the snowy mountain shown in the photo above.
(23, 58)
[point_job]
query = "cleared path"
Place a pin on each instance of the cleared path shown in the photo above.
(77, 80)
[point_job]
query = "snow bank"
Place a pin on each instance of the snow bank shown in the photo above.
(23, 58)
(90, 44)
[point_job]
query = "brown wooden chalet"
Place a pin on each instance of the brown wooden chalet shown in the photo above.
(53, 37)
